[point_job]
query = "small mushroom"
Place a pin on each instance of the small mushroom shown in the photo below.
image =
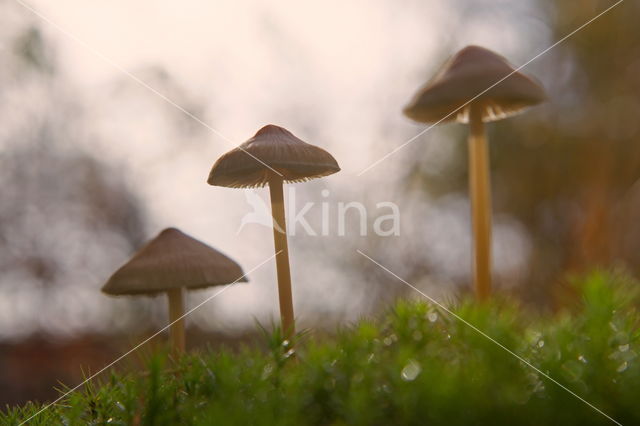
(476, 86)
(271, 157)
(170, 263)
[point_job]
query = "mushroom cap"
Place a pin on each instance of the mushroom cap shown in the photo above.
(173, 260)
(294, 159)
(471, 73)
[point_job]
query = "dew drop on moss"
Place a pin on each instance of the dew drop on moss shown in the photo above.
(411, 371)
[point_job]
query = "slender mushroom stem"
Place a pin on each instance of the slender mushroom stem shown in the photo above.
(176, 313)
(480, 188)
(282, 256)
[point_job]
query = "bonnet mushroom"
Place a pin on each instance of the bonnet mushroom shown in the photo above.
(170, 263)
(272, 157)
(476, 86)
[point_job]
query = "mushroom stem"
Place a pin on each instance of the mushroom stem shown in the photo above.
(176, 319)
(282, 256)
(480, 188)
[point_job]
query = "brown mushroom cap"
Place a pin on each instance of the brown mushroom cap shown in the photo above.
(278, 148)
(466, 75)
(173, 260)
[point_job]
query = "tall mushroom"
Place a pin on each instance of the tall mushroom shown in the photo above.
(272, 157)
(171, 263)
(476, 86)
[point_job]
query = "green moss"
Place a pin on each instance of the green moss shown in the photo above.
(416, 365)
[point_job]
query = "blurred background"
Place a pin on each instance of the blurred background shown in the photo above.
(94, 161)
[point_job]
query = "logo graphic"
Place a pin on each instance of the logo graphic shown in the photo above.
(261, 214)
(341, 218)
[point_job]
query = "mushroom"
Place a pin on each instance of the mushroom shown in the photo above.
(271, 157)
(476, 86)
(170, 263)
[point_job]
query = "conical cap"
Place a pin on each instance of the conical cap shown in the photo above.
(277, 148)
(173, 260)
(471, 75)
